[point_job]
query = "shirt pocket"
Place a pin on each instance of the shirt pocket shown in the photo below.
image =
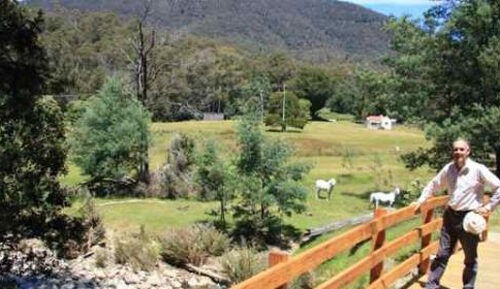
(473, 185)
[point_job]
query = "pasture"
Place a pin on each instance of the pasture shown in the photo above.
(361, 160)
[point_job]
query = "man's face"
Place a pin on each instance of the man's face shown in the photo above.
(461, 151)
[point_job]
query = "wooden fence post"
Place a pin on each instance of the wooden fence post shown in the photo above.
(378, 241)
(426, 241)
(276, 257)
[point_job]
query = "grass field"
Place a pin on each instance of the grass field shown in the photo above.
(375, 165)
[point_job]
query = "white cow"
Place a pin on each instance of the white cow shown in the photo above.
(325, 185)
(380, 197)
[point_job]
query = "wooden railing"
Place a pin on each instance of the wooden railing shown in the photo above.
(284, 269)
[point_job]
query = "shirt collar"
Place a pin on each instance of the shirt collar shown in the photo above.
(466, 166)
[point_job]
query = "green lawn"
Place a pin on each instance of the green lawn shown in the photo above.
(321, 144)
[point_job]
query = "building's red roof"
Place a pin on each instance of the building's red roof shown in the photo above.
(375, 117)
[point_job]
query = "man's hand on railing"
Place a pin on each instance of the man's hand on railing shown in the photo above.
(416, 206)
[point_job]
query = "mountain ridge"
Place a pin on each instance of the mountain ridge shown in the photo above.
(315, 29)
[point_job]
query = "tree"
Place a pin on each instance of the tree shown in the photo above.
(363, 93)
(269, 183)
(295, 112)
(143, 74)
(456, 55)
(255, 92)
(32, 134)
(108, 139)
(280, 67)
(215, 178)
(315, 85)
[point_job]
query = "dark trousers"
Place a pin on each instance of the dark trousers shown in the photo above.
(451, 232)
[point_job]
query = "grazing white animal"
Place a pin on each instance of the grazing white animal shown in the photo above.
(326, 186)
(380, 197)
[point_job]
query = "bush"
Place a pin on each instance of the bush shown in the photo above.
(93, 221)
(241, 263)
(192, 245)
(177, 172)
(140, 251)
(304, 281)
(101, 258)
(406, 197)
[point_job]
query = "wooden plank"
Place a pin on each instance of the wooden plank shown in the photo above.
(378, 241)
(432, 226)
(277, 257)
(282, 273)
(434, 203)
(395, 217)
(405, 267)
(426, 240)
(313, 257)
(370, 261)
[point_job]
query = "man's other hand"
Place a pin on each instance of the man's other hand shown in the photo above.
(482, 211)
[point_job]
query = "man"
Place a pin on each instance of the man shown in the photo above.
(465, 180)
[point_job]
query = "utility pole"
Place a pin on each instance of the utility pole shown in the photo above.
(261, 105)
(283, 123)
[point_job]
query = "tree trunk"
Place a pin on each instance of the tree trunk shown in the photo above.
(497, 161)
(144, 166)
(222, 214)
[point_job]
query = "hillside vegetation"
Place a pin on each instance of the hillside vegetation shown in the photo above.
(317, 30)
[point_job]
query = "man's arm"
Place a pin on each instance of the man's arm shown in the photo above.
(491, 180)
(439, 182)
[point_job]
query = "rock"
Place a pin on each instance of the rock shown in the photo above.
(68, 286)
(131, 278)
(176, 284)
(154, 279)
(192, 283)
(99, 274)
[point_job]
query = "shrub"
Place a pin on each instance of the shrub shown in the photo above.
(93, 221)
(101, 257)
(192, 245)
(410, 195)
(140, 251)
(304, 281)
(241, 263)
(177, 172)
(215, 242)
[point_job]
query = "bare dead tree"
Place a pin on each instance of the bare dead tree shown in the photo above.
(144, 72)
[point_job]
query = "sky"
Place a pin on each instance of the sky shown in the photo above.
(414, 8)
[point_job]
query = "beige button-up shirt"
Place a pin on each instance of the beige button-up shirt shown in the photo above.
(465, 187)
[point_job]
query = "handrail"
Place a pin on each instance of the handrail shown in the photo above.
(293, 267)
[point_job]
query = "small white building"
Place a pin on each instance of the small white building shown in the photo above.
(379, 122)
(213, 116)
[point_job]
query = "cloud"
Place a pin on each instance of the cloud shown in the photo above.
(393, 2)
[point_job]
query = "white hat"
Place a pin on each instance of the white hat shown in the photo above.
(474, 223)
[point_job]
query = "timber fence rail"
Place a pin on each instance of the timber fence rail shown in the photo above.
(285, 268)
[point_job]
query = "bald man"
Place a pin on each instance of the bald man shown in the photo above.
(464, 180)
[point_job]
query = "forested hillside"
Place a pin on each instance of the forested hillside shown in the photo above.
(316, 30)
